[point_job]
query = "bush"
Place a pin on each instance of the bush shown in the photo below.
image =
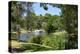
(50, 28)
(56, 40)
(36, 39)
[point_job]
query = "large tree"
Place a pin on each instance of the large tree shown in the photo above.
(69, 18)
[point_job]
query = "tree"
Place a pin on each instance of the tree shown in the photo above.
(69, 18)
(29, 20)
(17, 10)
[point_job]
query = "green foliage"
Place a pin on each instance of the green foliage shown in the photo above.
(45, 8)
(70, 18)
(32, 47)
(14, 36)
(55, 40)
(49, 28)
(36, 39)
(52, 23)
(44, 5)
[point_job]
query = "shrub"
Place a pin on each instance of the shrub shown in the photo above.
(35, 39)
(56, 40)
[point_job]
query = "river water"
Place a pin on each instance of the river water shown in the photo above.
(27, 36)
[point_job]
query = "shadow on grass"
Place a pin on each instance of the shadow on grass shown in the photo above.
(29, 48)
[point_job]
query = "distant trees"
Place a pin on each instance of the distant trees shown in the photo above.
(30, 20)
(52, 23)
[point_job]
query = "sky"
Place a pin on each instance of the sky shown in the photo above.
(51, 10)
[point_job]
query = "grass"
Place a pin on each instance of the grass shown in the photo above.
(53, 41)
(34, 47)
(56, 40)
(28, 47)
(15, 44)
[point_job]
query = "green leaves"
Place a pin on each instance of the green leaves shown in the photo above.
(52, 23)
(46, 8)
(55, 40)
